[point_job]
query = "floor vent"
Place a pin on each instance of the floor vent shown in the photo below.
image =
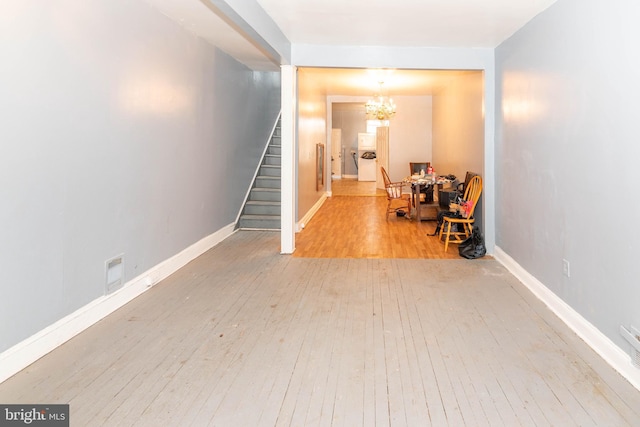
(114, 274)
(633, 336)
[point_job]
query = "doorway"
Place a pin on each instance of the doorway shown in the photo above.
(458, 117)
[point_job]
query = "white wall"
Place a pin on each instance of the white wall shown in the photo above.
(567, 156)
(121, 134)
(409, 132)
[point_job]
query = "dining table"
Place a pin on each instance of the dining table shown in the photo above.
(420, 182)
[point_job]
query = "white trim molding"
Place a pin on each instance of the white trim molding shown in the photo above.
(315, 208)
(21, 355)
(600, 343)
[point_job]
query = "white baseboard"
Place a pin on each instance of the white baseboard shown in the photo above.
(600, 343)
(305, 220)
(31, 349)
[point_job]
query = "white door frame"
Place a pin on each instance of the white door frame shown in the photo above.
(289, 163)
(335, 99)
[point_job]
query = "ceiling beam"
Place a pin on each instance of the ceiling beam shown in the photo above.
(255, 25)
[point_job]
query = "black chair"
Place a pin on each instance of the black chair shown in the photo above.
(462, 187)
(416, 169)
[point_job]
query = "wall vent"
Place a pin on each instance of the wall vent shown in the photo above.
(114, 273)
(633, 336)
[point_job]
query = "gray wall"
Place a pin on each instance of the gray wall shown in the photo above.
(121, 134)
(351, 118)
(567, 156)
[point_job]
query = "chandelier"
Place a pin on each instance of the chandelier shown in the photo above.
(380, 107)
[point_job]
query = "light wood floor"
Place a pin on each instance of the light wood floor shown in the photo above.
(244, 336)
(353, 187)
(352, 224)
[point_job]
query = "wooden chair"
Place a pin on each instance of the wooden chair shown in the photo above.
(416, 168)
(395, 196)
(471, 194)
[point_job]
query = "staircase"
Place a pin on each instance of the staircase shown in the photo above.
(262, 208)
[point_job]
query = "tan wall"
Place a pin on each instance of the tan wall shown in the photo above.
(312, 123)
(458, 126)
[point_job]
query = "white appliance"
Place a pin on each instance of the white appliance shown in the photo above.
(366, 167)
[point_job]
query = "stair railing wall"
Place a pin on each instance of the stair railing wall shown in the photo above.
(255, 173)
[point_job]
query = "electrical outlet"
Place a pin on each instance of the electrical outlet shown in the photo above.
(565, 268)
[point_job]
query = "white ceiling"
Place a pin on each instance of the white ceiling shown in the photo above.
(432, 23)
(199, 17)
(426, 23)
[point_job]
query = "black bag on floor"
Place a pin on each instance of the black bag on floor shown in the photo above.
(441, 215)
(473, 247)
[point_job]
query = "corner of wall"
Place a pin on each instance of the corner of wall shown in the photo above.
(33, 348)
(600, 343)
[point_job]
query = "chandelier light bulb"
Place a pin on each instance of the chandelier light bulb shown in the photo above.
(380, 107)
